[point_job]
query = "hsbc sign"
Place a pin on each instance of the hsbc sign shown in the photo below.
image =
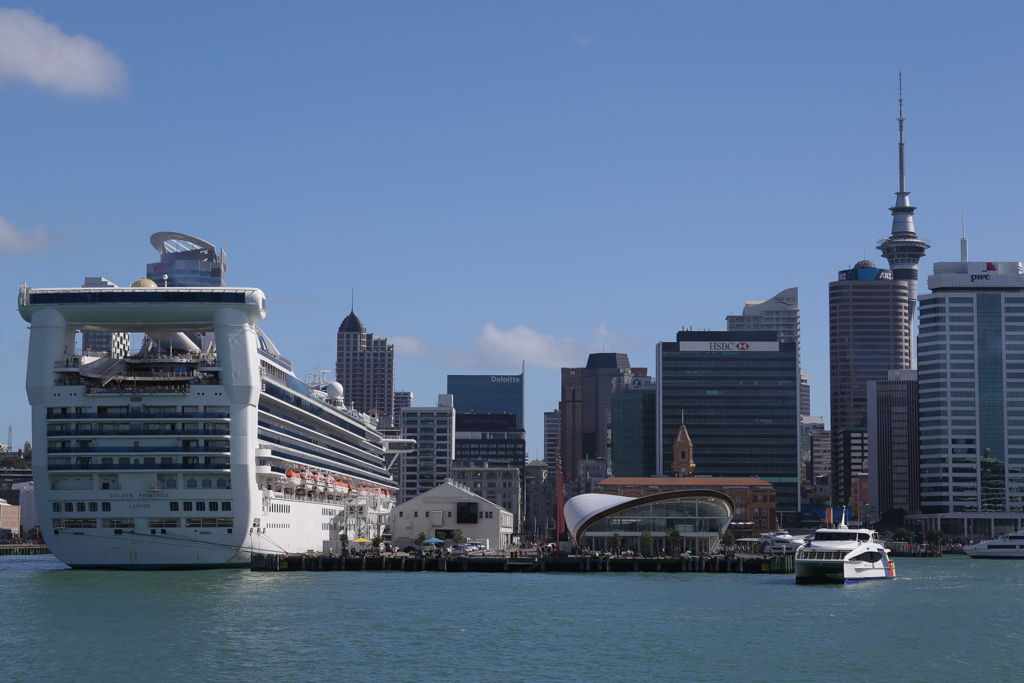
(728, 346)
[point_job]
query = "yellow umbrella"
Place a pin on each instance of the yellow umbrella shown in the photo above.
(362, 540)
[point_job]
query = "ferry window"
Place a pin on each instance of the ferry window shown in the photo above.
(200, 506)
(213, 506)
(864, 537)
(226, 506)
(174, 506)
(106, 507)
(191, 483)
(187, 506)
(207, 484)
(222, 483)
(56, 507)
(81, 507)
(93, 507)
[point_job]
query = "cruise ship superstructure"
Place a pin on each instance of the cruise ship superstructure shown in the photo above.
(197, 449)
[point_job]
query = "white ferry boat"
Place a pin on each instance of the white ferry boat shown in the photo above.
(1008, 547)
(197, 450)
(780, 542)
(843, 555)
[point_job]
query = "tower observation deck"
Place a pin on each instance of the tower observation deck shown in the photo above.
(903, 249)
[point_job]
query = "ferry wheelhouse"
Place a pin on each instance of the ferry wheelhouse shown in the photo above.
(200, 447)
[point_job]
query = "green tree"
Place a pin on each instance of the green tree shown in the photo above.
(26, 451)
(421, 539)
(728, 538)
(674, 538)
(457, 536)
(344, 543)
(376, 542)
(934, 536)
(902, 534)
(646, 540)
(616, 540)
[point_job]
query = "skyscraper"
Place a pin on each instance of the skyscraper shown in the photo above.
(431, 463)
(971, 374)
(602, 370)
(489, 394)
(552, 433)
(365, 367)
(894, 447)
(739, 392)
(904, 249)
(570, 409)
(780, 314)
(869, 334)
(634, 428)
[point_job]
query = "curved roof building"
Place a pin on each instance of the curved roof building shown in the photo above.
(593, 519)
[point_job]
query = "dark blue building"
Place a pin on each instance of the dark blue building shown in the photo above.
(488, 394)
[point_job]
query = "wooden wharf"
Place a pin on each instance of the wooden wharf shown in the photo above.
(713, 564)
(24, 550)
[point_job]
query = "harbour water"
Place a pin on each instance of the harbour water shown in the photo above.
(944, 619)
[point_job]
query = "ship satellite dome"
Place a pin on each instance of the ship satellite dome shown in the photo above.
(144, 282)
(335, 391)
(865, 264)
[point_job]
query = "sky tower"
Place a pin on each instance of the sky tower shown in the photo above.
(904, 248)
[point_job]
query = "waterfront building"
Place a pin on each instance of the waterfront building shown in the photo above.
(894, 447)
(495, 438)
(869, 334)
(27, 500)
(971, 383)
(432, 428)
(186, 261)
(499, 482)
(698, 514)
(552, 434)
(740, 395)
(10, 519)
(115, 344)
(753, 498)
(440, 510)
(634, 427)
(780, 314)
(366, 368)
(489, 394)
(539, 500)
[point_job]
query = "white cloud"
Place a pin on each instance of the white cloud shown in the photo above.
(14, 242)
(38, 52)
(409, 346)
(585, 41)
(538, 349)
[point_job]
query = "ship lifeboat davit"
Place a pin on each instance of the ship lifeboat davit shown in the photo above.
(293, 478)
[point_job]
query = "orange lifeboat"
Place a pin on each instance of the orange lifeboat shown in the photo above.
(293, 478)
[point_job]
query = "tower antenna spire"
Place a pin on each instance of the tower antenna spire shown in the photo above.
(963, 239)
(903, 163)
(353, 299)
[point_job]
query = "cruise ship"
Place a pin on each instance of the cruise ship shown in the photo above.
(197, 449)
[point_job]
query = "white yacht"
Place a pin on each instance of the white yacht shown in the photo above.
(1008, 547)
(196, 450)
(843, 555)
(780, 542)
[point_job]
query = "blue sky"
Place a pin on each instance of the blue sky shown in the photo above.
(500, 182)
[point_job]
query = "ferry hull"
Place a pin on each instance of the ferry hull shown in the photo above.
(810, 571)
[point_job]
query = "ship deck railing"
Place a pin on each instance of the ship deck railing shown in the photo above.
(50, 415)
(138, 449)
(136, 432)
(60, 467)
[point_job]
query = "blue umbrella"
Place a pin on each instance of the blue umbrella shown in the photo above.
(433, 540)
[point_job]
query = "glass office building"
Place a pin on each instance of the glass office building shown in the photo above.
(739, 395)
(488, 394)
(971, 383)
(634, 428)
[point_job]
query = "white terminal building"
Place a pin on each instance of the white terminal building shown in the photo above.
(971, 382)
